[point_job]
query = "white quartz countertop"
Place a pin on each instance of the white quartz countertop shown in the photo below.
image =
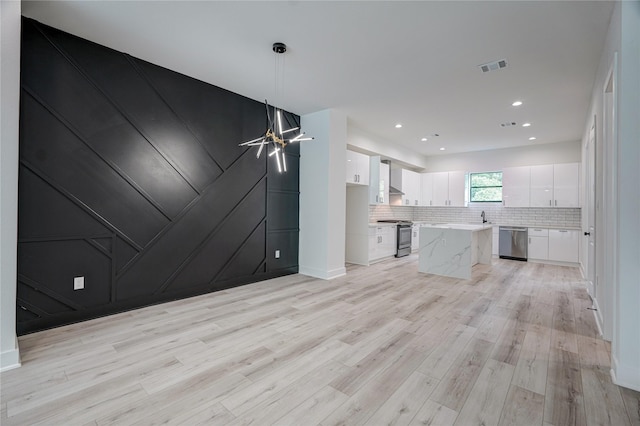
(379, 224)
(526, 225)
(460, 226)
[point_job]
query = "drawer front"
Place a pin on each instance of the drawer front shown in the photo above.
(538, 232)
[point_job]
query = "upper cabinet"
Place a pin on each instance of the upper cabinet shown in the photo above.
(427, 189)
(552, 185)
(516, 186)
(357, 168)
(541, 186)
(446, 189)
(408, 182)
(566, 185)
(378, 181)
(556, 185)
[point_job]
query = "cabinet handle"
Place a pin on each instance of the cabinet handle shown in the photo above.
(430, 202)
(355, 178)
(556, 201)
(549, 202)
(377, 198)
(529, 240)
(562, 230)
(416, 202)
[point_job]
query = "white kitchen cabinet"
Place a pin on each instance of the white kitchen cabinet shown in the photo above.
(541, 186)
(564, 245)
(384, 184)
(408, 182)
(456, 189)
(538, 244)
(447, 189)
(357, 168)
(566, 185)
(555, 185)
(440, 191)
(378, 182)
(426, 189)
(388, 244)
(516, 186)
(382, 242)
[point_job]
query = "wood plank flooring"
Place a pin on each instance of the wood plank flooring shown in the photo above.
(515, 345)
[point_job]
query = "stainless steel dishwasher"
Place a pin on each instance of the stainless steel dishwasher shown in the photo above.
(513, 243)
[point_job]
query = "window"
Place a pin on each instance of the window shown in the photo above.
(485, 187)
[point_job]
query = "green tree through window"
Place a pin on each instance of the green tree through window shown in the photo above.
(485, 187)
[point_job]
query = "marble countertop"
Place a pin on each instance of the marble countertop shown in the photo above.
(379, 224)
(460, 226)
(526, 225)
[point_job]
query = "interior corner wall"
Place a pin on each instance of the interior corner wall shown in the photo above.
(623, 38)
(626, 345)
(361, 141)
(131, 176)
(323, 195)
(496, 159)
(9, 119)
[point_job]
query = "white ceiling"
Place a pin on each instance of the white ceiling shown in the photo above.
(380, 62)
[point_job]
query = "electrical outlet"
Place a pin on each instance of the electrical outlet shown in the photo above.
(78, 283)
(277, 254)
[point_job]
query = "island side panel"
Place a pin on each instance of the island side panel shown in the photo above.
(485, 245)
(445, 252)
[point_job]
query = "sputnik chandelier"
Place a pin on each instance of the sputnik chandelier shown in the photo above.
(275, 136)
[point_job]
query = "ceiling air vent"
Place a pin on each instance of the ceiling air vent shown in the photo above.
(493, 66)
(508, 124)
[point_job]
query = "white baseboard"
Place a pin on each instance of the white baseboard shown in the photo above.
(625, 376)
(10, 359)
(322, 273)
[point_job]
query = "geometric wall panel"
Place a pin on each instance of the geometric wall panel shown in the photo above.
(131, 176)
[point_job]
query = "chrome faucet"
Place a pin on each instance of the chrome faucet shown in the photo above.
(483, 217)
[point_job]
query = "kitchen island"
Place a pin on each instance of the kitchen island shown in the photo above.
(451, 249)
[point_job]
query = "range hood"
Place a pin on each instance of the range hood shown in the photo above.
(392, 189)
(395, 191)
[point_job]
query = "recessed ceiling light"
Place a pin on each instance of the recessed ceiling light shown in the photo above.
(526, 125)
(442, 149)
(532, 138)
(423, 139)
(398, 126)
(517, 103)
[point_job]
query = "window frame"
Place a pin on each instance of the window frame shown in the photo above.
(471, 187)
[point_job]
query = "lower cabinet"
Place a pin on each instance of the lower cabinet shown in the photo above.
(382, 242)
(557, 245)
(564, 245)
(538, 244)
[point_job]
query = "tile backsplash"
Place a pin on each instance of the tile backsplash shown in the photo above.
(495, 213)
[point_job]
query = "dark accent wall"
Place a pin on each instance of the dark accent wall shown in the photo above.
(131, 176)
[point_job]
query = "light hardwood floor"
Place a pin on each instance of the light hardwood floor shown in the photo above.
(516, 345)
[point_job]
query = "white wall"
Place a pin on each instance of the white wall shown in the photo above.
(361, 141)
(9, 113)
(626, 345)
(323, 195)
(496, 159)
(619, 253)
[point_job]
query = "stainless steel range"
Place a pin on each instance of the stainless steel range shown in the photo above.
(403, 237)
